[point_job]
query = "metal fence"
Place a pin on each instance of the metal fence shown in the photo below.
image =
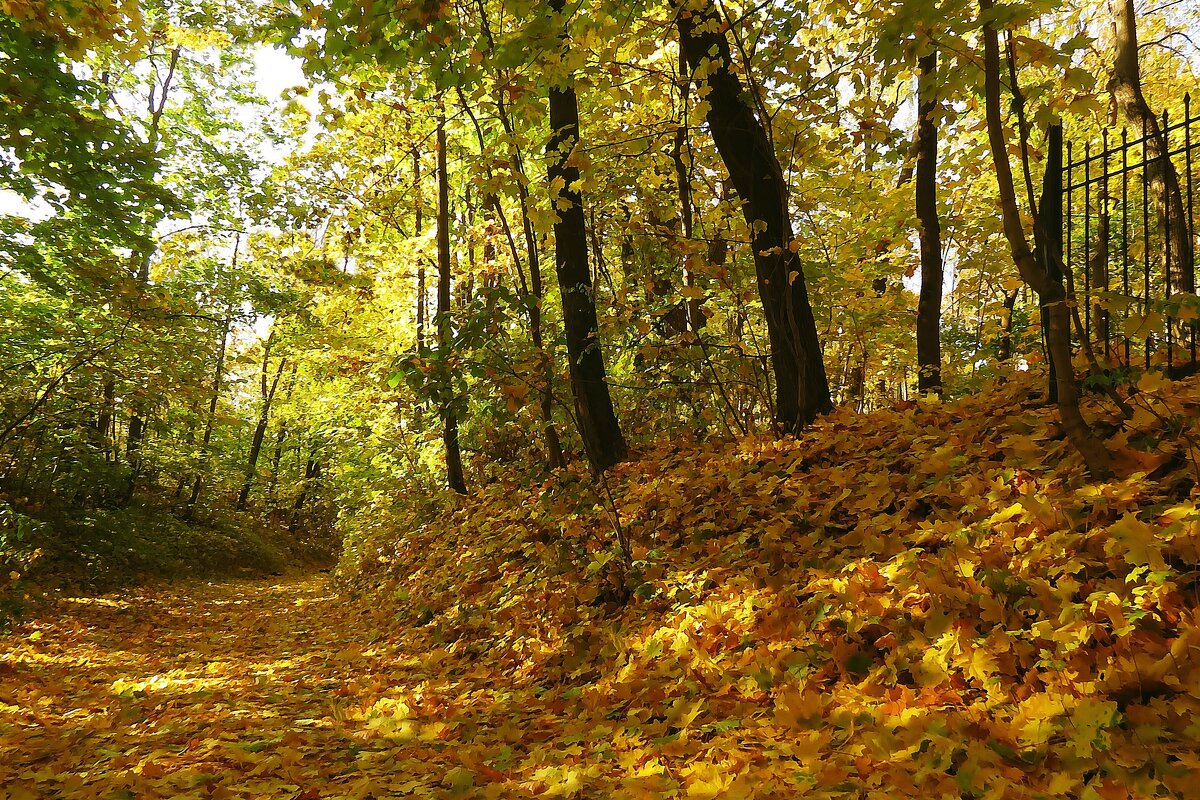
(1134, 283)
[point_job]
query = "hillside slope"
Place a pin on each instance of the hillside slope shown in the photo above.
(932, 601)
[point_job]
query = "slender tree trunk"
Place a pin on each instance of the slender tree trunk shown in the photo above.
(801, 387)
(1126, 89)
(1005, 350)
(210, 420)
(454, 470)
(419, 211)
(598, 426)
(281, 435)
(929, 305)
(312, 471)
(156, 105)
(260, 430)
(1051, 293)
(554, 453)
(104, 421)
(683, 181)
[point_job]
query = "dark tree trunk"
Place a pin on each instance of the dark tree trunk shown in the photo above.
(104, 419)
(260, 430)
(801, 387)
(454, 470)
(1048, 234)
(280, 436)
(598, 426)
(312, 471)
(929, 306)
(1126, 88)
(1005, 349)
(1051, 293)
(683, 180)
(210, 420)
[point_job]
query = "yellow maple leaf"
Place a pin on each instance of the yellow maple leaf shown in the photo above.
(1136, 542)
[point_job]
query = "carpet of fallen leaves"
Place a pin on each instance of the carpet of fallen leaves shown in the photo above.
(931, 601)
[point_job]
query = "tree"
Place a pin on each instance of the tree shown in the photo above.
(1178, 254)
(1051, 293)
(801, 387)
(594, 411)
(929, 309)
(267, 390)
(445, 330)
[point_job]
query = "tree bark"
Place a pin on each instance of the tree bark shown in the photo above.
(1051, 293)
(597, 418)
(454, 470)
(1126, 89)
(929, 304)
(801, 387)
(1048, 234)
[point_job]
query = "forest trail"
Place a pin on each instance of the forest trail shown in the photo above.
(200, 690)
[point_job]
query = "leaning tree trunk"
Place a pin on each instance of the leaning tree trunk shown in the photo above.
(929, 305)
(454, 470)
(597, 419)
(1051, 293)
(801, 387)
(1126, 89)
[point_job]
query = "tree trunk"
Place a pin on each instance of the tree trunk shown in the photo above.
(312, 471)
(454, 470)
(1051, 293)
(419, 211)
(260, 430)
(104, 421)
(929, 305)
(597, 419)
(802, 390)
(209, 422)
(1048, 234)
(1126, 89)
(554, 453)
(137, 421)
(1005, 351)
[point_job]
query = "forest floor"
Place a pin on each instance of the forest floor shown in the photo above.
(235, 689)
(927, 601)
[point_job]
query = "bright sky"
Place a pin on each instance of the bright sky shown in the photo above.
(276, 71)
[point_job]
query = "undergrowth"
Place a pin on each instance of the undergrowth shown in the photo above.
(52, 546)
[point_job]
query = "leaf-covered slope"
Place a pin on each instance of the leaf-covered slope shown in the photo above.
(929, 600)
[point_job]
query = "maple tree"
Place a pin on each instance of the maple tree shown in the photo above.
(815, 466)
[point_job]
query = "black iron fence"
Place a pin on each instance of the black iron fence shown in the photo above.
(1129, 225)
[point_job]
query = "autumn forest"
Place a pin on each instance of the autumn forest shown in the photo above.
(587, 399)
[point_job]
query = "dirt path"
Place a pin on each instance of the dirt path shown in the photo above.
(200, 691)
